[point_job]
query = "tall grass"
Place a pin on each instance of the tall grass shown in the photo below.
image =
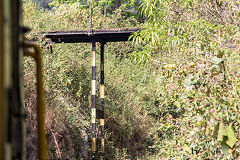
(164, 109)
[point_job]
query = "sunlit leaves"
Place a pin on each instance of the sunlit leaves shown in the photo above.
(170, 66)
(182, 93)
(221, 132)
(105, 2)
(141, 57)
(231, 136)
(226, 136)
(153, 8)
(225, 148)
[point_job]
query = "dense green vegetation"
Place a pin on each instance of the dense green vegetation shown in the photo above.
(171, 93)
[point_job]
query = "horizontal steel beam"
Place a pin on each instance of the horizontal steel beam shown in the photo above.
(84, 36)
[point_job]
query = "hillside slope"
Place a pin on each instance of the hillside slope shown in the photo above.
(163, 101)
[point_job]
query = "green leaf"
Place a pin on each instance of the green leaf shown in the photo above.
(217, 60)
(170, 66)
(231, 136)
(215, 69)
(225, 148)
(221, 132)
(220, 54)
(189, 81)
(177, 104)
(215, 131)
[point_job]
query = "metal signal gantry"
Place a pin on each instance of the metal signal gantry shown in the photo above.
(93, 36)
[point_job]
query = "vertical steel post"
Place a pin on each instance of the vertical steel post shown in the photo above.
(102, 95)
(93, 112)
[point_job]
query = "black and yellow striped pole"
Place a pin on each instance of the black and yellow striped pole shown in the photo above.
(93, 112)
(102, 96)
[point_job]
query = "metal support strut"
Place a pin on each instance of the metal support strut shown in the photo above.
(93, 112)
(102, 96)
(36, 54)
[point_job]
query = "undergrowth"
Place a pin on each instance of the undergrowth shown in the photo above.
(162, 100)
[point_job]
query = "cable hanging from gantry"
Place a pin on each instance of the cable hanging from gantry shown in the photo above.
(91, 15)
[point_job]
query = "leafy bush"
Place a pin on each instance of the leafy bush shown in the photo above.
(194, 52)
(167, 96)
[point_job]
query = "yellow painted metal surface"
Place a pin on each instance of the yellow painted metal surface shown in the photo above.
(94, 145)
(42, 144)
(7, 44)
(1, 80)
(102, 145)
(101, 122)
(101, 91)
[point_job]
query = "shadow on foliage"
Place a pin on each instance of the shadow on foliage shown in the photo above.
(126, 129)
